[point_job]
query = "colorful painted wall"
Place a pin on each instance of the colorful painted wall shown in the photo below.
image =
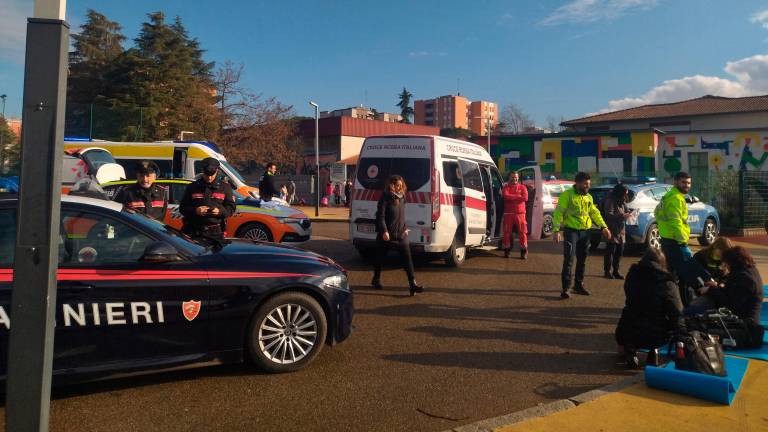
(606, 153)
(714, 151)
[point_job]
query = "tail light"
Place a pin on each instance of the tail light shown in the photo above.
(435, 195)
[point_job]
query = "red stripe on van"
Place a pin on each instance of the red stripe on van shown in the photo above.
(475, 203)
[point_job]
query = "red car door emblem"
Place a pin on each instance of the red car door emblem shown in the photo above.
(190, 309)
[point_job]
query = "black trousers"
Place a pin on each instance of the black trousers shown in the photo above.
(576, 242)
(613, 253)
(403, 248)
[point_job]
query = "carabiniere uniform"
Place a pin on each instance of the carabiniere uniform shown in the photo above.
(152, 202)
(217, 194)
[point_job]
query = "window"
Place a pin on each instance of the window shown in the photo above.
(177, 192)
(7, 236)
(90, 239)
(373, 172)
(658, 192)
(471, 176)
(451, 174)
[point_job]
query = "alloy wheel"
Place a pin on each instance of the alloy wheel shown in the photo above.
(287, 334)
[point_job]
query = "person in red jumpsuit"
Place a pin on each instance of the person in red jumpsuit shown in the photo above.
(515, 196)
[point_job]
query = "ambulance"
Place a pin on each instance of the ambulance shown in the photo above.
(453, 201)
(176, 159)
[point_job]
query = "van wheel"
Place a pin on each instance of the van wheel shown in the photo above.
(546, 225)
(255, 231)
(286, 333)
(456, 254)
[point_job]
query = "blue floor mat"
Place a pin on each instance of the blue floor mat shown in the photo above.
(708, 387)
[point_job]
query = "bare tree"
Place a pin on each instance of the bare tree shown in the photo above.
(254, 129)
(515, 120)
(553, 123)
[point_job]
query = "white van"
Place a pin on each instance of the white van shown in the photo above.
(453, 200)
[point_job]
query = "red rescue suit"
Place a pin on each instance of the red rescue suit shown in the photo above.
(515, 197)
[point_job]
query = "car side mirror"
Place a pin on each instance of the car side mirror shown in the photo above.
(689, 199)
(160, 252)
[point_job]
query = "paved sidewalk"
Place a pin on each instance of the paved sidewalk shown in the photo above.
(327, 214)
(639, 408)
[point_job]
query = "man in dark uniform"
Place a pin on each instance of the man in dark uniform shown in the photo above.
(207, 203)
(267, 186)
(145, 196)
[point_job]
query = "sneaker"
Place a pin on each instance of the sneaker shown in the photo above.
(581, 290)
(565, 295)
(524, 254)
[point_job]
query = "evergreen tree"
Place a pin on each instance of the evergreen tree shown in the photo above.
(96, 47)
(405, 105)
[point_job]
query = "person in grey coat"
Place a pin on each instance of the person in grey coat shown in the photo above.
(615, 213)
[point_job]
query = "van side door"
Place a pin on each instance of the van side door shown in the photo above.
(474, 208)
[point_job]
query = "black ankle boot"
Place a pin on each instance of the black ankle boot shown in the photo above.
(506, 253)
(415, 288)
(376, 284)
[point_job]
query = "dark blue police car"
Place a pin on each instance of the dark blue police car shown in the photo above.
(136, 296)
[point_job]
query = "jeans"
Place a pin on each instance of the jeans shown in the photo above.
(699, 305)
(576, 242)
(403, 247)
(613, 253)
(677, 254)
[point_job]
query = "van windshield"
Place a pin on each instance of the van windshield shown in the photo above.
(373, 172)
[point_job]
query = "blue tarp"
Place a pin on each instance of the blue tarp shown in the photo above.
(702, 386)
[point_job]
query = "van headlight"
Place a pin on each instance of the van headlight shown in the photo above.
(337, 282)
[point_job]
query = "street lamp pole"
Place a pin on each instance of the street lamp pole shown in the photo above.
(185, 132)
(2, 135)
(317, 157)
(36, 252)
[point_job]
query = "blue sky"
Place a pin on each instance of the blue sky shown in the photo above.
(551, 58)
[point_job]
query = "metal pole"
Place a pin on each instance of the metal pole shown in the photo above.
(488, 129)
(317, 157)
(33, 301)
(90, 125)
(2, 135)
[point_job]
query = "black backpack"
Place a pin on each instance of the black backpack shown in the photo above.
(734, 333)
(702, 353)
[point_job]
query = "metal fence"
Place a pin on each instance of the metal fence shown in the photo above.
(754, 199)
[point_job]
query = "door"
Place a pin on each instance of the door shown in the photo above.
(127, 309)
(179, 162)
(537, 195)
(474, 208)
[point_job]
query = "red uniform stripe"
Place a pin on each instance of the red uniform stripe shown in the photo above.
(157, 203)
(198, 196)
(217, 195)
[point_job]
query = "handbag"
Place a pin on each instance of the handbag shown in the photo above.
(700, 352)
(732, 330)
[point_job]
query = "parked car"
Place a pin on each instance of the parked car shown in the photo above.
(642, 228)
(253, 220)
(137, 296)
(552, 190)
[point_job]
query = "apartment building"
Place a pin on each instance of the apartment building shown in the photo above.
(456, 112)
(362, 112)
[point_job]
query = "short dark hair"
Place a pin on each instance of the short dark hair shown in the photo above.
(582, 176)
(271, 164)
(738, 257)
(682, 175)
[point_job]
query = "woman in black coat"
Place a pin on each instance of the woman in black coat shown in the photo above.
(742, 291)
(615, 213)
(653, 310)
(392, 231)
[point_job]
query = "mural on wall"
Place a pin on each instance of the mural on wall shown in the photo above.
(715, 151)
(608, 153)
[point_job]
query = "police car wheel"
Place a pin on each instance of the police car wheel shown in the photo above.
(287, 332)
(546, 225)
(709, 234)
(255, 231)
(653, 239)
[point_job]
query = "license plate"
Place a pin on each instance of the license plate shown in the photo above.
(366, 228)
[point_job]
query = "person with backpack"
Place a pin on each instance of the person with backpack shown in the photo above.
(615, 213)
(653, 310)
(392, 231)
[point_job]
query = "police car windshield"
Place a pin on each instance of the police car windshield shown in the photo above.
(176, 237)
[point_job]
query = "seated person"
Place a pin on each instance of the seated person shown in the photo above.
(653, 310)
(742, 291)
(711, 258)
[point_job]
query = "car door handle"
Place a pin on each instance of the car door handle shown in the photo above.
(78, 285)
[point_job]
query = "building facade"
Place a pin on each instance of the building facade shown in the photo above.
(362, 112)
(451, 112)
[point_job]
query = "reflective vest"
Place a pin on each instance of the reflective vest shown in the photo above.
(672, 217)
(577, 212)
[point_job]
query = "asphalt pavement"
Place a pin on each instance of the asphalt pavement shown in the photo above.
(485, 340)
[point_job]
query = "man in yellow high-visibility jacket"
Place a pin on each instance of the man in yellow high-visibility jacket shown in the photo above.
(672, 219)
(575, 214)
